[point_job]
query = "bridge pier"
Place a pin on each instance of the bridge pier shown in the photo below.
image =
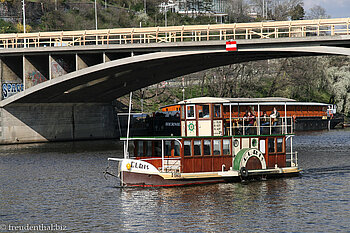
(27, 123)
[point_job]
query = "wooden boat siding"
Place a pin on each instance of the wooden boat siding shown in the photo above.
(213, 163)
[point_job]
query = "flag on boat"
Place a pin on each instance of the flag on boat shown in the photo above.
(231, 46)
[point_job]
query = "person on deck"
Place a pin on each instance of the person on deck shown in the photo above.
(275, 115)
(264, 121)
(274, 118)
(249, 118)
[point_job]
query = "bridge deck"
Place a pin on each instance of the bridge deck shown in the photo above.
(263, 30)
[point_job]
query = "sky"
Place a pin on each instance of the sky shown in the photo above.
(334, 8)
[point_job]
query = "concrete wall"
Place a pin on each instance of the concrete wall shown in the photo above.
(24, 123)
(11, 76)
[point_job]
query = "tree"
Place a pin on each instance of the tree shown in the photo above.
(317, 12)
(7, 27)
(339, 79)
(297, 12)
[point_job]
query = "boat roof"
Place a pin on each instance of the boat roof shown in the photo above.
(249, 101)
(205, 100)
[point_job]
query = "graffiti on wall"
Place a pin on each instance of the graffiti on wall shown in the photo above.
(59, 67)
(9, 89)
(36, 77)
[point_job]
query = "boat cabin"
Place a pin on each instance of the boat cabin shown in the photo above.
(212, 135)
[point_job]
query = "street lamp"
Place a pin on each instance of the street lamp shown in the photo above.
(24, 20)
(95, 15)
(165, 6)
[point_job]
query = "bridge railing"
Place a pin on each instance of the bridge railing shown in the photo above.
(262, 30)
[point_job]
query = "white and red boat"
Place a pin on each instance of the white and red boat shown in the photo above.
(214, 146)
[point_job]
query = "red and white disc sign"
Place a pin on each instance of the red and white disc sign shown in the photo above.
(231, 46)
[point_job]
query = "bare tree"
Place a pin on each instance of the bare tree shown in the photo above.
(317, 12)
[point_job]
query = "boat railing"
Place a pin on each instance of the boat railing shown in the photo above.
(292, 159)
(259, 126)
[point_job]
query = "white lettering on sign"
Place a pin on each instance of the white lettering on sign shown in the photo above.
(172, 123)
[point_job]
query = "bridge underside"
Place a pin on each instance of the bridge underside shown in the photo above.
(105, 82)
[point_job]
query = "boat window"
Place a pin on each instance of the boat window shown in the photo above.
(190, 111)
(149, 148)
(182, 112)
(140, 149)
(206, 147)
(271, 143)
(217, 147)
(187, 148)
(279, 144)
(176, 148)
(203, 111)
(167, 148)
(197, 147)
(226, 147)
(217, 110)
(157, 148)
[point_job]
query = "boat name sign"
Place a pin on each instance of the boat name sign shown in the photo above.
(250, 153)
(138, 166)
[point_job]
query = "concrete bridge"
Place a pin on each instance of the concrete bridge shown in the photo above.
(60, 85)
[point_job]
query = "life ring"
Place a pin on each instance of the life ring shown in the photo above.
(244, 172)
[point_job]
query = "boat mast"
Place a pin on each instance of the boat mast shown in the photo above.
(126, 152)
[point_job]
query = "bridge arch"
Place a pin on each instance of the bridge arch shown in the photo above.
(108, 81)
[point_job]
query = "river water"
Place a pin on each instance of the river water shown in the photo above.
(62, 185)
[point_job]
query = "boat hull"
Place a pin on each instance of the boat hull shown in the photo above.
(310, 124)
(155, 180)
(146, 180)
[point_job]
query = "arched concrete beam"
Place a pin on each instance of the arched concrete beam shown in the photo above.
(108, 81)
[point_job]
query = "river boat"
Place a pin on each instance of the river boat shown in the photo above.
(306, 115)
(213, 146)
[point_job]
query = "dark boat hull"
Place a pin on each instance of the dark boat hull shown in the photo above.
(310, 124)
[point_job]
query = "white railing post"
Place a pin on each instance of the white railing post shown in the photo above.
(258, 124)
(285, 117)
(230, 119)
(162, 155)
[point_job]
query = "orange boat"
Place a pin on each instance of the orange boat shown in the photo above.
(306, 115)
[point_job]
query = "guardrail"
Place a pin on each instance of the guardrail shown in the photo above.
(262, 30)
(259, 126)
(292, 159)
